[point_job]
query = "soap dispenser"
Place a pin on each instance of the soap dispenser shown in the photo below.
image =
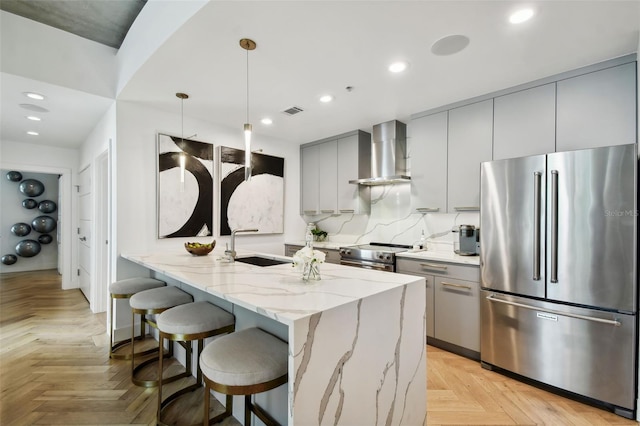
(423, 241)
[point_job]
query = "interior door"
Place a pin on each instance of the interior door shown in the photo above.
(592, 227)
(84, 232)
(512, 217)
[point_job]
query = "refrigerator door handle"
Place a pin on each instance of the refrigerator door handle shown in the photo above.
(554, 226)
(537, 193)
(552, 312)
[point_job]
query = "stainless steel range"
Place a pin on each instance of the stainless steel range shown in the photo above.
(378, 256)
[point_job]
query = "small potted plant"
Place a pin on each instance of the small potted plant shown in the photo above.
(318, 234)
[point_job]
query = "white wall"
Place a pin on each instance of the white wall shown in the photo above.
(136, 159)
(44, 159)
(13, 212)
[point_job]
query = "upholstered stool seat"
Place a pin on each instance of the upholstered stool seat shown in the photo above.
(124, 289)
(244, 363)
(153, 302)
(184, 324)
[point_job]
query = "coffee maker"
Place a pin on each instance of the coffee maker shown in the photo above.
(468, 240)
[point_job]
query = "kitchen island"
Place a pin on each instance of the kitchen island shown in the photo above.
(356, 337)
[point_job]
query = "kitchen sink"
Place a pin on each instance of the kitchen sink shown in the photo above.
(261, 261)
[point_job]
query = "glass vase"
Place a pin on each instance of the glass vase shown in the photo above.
(311, 272)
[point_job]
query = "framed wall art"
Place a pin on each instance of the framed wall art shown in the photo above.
(185, 198)
(257, 203)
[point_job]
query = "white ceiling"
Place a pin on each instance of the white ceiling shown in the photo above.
(306, 49)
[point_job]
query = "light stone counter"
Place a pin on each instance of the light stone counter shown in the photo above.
(441, 256)
(356, 337)
(333, 245)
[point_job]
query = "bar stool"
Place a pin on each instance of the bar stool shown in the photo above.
(124, 289)
(246, 362)
(185, 324)
(152, 302)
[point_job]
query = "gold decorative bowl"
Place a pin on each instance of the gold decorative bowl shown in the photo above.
(199, 249)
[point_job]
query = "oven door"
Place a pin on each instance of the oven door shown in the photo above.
(367, 264)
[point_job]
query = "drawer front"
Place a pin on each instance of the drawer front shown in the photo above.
(290, 250)
(458, 312)
(443, 269)
(332, 256)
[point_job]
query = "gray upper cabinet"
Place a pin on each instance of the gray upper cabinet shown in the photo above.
(524, 123)
(470, 137)
(428, 145)
(328, 176)
(309, 175)
(326, 166)
(597, 109)
(354, 161)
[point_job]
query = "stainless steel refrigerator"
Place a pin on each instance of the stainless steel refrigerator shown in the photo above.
(558, 258)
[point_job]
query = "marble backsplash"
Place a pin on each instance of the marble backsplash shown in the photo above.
(391, 221)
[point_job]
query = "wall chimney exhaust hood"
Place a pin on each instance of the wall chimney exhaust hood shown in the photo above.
(388, 155)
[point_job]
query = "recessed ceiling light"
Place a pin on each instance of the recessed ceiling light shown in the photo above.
(33, 95)
(266, 121)
(521, 16)
(398, 67)
(33, 118)
(32, 133)
(326, 98)
(449, 45)
(34, 108)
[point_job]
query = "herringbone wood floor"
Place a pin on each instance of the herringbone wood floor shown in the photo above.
(55, 369)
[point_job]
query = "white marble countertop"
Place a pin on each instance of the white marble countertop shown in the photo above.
(441, 256)
(276, 292)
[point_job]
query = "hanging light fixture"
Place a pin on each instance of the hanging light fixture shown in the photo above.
(183, 157)
(247, 44)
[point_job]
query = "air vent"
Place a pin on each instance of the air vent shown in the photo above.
(293, 110)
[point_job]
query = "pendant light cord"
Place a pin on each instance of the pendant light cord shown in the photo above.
(247, 85)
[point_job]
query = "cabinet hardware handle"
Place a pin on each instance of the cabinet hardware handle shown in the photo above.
(490, 298)
(433, 265)
(467, 209)
(309, 212)
(446, 284)
(83, 239)
(327, 211)
(347, 211)
(428, 209)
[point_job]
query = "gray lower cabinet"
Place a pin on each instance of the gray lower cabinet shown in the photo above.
(453, 303)
(332, 255)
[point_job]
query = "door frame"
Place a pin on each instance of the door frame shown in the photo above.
(102, 232)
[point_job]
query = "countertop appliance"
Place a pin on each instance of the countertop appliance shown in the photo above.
(468, 240)
(379, 256)
(558, 271)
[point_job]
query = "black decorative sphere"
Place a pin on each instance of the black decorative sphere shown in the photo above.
(29, 203)
(14, 176)
(47, 206)
(31, 187)
(43, 224)
(28, 248)
(21, 229)
(45, 239)
(9, 259)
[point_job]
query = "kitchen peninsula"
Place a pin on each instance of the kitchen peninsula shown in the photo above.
(356, 337)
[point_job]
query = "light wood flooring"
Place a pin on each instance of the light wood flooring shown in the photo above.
(55, 370)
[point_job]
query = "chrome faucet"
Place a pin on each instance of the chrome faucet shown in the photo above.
(231, 253)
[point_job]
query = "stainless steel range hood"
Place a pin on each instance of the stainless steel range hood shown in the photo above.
(388, 155)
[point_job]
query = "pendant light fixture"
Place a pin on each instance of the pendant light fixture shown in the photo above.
(183, 157)
(247, 44)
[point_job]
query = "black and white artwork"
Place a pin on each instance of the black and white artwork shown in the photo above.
(185, 209)
(257, 203)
